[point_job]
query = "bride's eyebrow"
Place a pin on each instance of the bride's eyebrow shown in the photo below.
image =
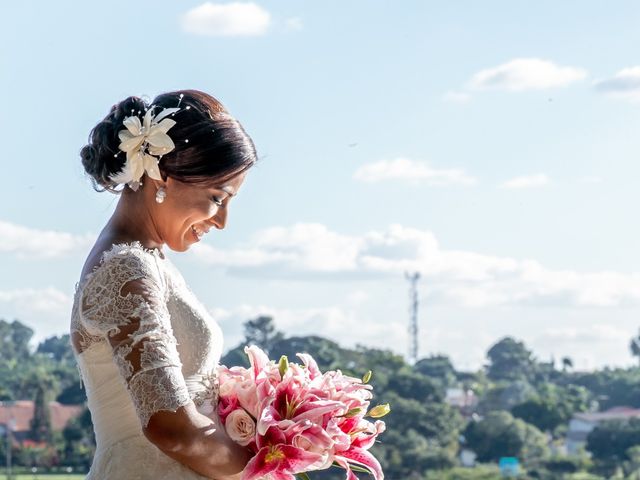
(229, 190)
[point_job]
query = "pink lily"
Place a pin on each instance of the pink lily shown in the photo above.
(362, 458)
(257, 358)
(311, 365)
(277, 460)
(366, 439)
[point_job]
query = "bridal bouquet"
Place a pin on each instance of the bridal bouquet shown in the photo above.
(297, 419)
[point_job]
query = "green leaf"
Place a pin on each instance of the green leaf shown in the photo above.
(367, 377)
(353, 412)
(303, 476)
(355, 468)
(358, 468)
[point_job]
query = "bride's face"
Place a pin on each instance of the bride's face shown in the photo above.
(190, 211)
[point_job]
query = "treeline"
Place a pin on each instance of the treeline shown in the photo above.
(46, 374)
(523, 409)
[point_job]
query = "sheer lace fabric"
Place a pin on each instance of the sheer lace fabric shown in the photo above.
(143, 343)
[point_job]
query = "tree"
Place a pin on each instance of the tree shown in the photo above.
(612, 387)
(553, 406)
(73, 394)
(438, 368)
(413, 385)
(635, 346)
(261, 332)
(541, 412)
(14, 340)
(420, 435)
(327, 353)
(510, 360)
(407, 454)
(499, 434)
(56, 347)
(44, 385)
(79, 441)
(567, 364)
(435, 421)
(505, 396)
(632, 466)
(41, 421)
(611, 441)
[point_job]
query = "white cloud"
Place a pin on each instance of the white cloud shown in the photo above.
(46, 310)
(587, 345)
(293, 24)
(526, 74)
(625, 84)
(455, 277)
(588, 334)
(45, 300)
(33, 243)
(357, 297)
(527, 181)
(337, 323)
(303, 247)
(229, 19)
(591, 179)
(456, 97)
(412, 171)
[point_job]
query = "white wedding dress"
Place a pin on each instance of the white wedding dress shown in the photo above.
(143, 343)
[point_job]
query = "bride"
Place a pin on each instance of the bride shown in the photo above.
(145, 347)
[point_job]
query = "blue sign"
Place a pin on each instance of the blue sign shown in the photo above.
(509, 466)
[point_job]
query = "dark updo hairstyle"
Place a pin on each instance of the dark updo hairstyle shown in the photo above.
(210, 145)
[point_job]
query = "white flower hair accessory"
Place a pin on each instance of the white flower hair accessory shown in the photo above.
(144, 143)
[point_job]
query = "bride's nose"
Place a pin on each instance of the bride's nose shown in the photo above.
(219, 220)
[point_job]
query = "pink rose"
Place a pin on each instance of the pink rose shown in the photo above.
(240, 427)
(226, 406)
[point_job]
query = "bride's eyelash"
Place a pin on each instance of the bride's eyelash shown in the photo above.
(217, 201)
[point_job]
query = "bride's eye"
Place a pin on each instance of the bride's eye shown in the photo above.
(217, 201)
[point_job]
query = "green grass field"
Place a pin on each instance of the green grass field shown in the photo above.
(39, 476)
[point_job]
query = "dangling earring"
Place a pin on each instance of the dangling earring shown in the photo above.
(161, 194)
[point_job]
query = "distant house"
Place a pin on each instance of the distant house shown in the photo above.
(467, 458)
(20, 413)
(464, 400)
(583, 423)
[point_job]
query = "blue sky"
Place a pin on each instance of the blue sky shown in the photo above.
(491, 145)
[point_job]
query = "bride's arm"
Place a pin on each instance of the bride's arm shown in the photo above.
(196, 441)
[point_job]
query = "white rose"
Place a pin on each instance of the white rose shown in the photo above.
(240, 427)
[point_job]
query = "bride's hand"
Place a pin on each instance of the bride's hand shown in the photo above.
(238, 476)
(243, 454)
(198, 441)
(240, 455)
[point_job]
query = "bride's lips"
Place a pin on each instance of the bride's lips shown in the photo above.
(198, 233)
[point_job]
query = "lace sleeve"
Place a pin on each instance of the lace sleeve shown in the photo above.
(124, 301)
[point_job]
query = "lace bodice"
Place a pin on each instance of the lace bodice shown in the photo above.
(143, 343)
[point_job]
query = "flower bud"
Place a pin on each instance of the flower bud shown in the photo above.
(283, 365)
(379, 411)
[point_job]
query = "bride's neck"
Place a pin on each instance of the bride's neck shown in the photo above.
(132, 220)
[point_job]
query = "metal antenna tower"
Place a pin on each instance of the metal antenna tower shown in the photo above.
(413, 311)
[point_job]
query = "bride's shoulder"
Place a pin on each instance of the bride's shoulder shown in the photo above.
(108, 258)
